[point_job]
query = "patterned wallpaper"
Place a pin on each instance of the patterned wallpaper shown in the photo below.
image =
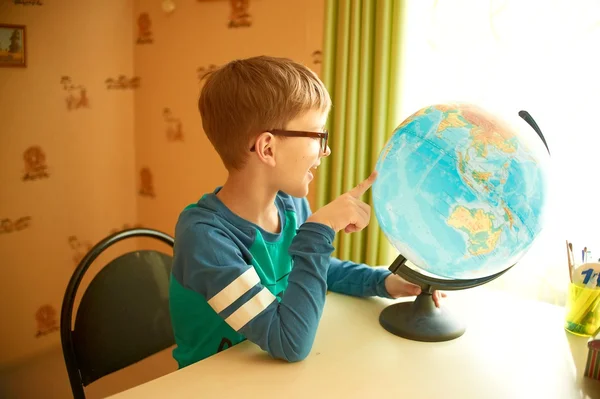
(67, 156)
(100, 131)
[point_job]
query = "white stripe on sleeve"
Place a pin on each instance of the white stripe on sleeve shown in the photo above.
(250, 309)
(234, 290)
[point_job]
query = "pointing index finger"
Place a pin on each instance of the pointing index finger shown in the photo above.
(363, 186)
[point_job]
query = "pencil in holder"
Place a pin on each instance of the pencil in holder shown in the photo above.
(583, 310)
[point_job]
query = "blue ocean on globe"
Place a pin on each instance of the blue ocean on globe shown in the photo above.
(458, 192)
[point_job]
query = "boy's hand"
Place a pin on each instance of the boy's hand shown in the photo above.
(347, 212)
(397, 287)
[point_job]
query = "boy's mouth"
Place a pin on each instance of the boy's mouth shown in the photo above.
(312, 169)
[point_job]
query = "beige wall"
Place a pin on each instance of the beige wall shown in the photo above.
(95, 155)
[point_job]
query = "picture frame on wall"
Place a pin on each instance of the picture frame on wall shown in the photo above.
(13, 46)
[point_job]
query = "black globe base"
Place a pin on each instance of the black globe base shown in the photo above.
(421, 320)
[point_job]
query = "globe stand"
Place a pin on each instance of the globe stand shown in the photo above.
(421, 320)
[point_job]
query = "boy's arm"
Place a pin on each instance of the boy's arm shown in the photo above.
(285, 328)
(357, 279)
(347, 277)
(361, 280)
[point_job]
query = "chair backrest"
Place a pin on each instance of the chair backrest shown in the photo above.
(123, 316)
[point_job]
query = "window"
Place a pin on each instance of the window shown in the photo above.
(541, 56)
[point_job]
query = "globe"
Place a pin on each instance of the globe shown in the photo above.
(460, 192)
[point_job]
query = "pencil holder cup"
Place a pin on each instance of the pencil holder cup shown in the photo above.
(583, 310)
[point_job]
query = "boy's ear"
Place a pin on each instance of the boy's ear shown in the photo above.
(265, 148)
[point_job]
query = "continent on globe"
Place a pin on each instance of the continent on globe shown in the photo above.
(452, 120)
(487, 131)
(478, 226)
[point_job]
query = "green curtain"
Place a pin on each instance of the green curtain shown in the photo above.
(361, 70)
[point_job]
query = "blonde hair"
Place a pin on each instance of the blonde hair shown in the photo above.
(247, 97)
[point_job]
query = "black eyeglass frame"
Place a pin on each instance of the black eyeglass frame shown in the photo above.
(324, 136)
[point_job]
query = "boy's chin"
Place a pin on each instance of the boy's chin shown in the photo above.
(298, 192)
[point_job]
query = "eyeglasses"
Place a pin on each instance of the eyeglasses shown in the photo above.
(323, 136)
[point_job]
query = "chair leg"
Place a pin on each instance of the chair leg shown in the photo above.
(78, 392)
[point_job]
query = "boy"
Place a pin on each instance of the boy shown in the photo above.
(251, 261)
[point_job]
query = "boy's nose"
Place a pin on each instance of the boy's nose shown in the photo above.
(327, 152)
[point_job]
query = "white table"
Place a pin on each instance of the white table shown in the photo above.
(512, 349)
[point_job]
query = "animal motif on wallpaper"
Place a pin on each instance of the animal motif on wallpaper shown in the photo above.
(80, 248)
(122, 82)
(10, 226)
(146, 184)
(35, 164)
(203, 71)
(29, 2)
(174, 127)
(144, 29)
(126, 226)
(47, 320)
(239, 16)
(76, 95)
(317, 57)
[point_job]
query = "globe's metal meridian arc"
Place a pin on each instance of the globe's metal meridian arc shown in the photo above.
(429, 284)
